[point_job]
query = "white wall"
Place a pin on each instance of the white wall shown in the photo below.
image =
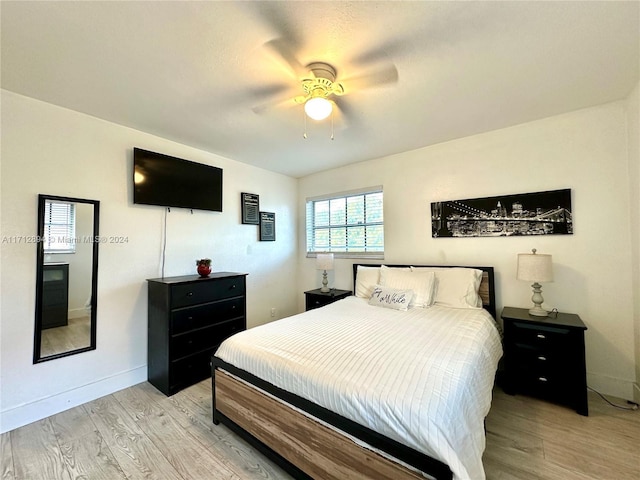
(48, 149)
(633, 132)
(585, 151)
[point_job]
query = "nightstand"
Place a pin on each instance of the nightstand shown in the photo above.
(316, 298)
(544, 357)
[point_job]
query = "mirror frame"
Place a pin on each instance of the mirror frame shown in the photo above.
(37, 342)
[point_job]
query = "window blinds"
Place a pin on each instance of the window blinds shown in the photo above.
(351, 224)
(59, 227)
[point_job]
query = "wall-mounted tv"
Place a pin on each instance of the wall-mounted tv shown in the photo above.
(173, 182)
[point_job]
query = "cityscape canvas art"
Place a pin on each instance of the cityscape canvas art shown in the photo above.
(539, 213)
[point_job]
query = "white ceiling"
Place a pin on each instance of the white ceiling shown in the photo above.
(193, 72)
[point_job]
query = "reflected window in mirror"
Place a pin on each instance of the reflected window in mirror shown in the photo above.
(66, 281)
(59, 227)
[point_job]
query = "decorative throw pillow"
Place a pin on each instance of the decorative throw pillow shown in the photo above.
(366, 279)
(421, 282)
(391, 298)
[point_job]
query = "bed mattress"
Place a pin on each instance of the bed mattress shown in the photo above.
(422, 377)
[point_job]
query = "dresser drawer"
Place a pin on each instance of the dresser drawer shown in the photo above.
(201, 292)
(185, 319)
(204, 338)
(190, 370)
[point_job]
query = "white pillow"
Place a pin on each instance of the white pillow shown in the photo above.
(391, 298)
(366, 279)
(456, 287)
(422, 283)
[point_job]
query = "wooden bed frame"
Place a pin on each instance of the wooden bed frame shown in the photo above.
(309, 441)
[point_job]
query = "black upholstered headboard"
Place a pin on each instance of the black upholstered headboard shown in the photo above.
(487, 286)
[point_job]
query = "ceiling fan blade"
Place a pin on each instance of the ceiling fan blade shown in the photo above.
(280, 103)
(384, 52)
(383, 76)
(259, 93)
(282, 49)
(340, 117)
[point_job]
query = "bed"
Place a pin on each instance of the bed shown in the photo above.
(353, 390)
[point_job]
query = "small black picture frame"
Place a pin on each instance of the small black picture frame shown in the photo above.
(267, 227)
(250, 208)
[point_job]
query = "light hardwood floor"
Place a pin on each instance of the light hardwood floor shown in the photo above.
(138, 433)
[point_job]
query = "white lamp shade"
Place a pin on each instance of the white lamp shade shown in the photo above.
(318, 108)
(324, 261)
(534, 267)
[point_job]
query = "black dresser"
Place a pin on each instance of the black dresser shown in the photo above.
(545, 357)
(189, 317)
(55, 295)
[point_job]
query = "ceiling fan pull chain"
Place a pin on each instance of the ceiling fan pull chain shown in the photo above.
(331, 124)
(304, 119)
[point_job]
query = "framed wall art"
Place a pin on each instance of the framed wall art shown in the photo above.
(539, 213)
(250, 208)
(267, 227)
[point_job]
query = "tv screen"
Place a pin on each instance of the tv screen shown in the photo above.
(172, 182)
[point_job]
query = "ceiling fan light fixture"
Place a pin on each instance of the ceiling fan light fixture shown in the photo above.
(318, 108)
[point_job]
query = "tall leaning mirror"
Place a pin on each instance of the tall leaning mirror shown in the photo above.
(67, 277)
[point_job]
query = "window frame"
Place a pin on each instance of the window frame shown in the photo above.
(310, 226)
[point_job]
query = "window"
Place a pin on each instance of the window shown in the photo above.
(349, 224)
(59, 227)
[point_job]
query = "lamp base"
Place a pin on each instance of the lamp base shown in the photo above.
(325, 284)
(537, 300)
(538, 312)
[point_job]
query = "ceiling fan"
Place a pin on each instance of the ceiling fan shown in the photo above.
(318, 88)
(318, 82)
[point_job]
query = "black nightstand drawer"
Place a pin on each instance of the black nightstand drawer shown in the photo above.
(185, 319)
(526, 356)
(539, 335)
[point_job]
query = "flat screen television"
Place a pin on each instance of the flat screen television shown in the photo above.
(173, 182)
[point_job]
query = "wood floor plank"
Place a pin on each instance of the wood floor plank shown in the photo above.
(574, 446)
(248, 463)
(240, 457)
(6, 457)
(72, 424)
(145, 435)
(134, 451)
(88, 457)
(36, 454)
(174, 435)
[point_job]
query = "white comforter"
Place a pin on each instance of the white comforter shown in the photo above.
(422, 377)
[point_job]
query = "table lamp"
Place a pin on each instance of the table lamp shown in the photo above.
(536, 268)
(324, 261)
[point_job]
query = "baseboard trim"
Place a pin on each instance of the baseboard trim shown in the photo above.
(33, 411)
(615, 387)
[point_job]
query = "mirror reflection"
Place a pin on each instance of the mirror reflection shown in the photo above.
(66, 277)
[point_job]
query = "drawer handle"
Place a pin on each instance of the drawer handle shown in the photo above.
(317, 302)
(542, 379)
(233, 286)
(190, 294)
(541, 336)
(542, 359)
(233, 307)
(190, 318)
